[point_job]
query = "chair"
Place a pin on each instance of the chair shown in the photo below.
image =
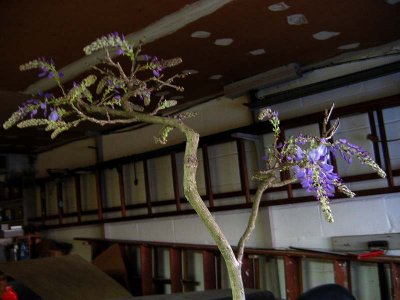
(327, 292)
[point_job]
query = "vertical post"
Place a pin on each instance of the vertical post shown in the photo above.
(78, 197)
(255, 262)
(374, 133)
(146, 270)
(248, 273)
(383, 282)
(121, 190)
(175, 267)
(209, 270)
(175, 181)
(292, 277)
(99, 195)
(60, 202)
(207, 175)
(395, 276)
(244, 177)
(342, 273)
(43, 209)
(147, 186)
(385, 148)
(219, 261)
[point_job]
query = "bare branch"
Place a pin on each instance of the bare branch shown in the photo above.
(252, 219)
(118, 66)
(283, 183)
(332, 130)
(103, 122)
(167, 82)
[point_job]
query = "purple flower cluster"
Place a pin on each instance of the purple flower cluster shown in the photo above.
(45, 71)
(32, 106)
(348, 150)
(317, 174)
(155, 65)
(46, 68)
(115, 35)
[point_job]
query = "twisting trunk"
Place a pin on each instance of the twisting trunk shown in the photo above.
(192, 195)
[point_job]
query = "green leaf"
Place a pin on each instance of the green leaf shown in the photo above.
(12, 120)
(167, 104)
(58, 131)
(32, 123)
(165, 131)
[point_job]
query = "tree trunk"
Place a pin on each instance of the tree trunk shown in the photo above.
(192, 195)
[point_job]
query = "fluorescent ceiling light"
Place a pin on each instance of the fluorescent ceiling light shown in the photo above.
(263, 80)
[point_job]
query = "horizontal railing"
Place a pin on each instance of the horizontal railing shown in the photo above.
(211, 262)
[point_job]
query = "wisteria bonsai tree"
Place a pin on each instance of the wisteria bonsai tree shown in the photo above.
(113, 94)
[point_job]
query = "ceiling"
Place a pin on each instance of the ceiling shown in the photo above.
(224, 41)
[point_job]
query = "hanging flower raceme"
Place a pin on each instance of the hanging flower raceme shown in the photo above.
(316, 175)
(308, 159)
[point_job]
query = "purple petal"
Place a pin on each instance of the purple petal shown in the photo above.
(53, 116)
(156, 73)
(299, 154)
(42, 74)
(60, 74)
(327, 167)
(119, 51)
(33, 113)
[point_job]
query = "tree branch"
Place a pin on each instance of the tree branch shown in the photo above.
(266, 184)
(118, 66)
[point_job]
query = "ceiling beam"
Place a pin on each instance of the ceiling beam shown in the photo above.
(161, 28)
(326, 85)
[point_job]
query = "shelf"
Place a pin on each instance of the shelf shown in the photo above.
(8, 202)
(13, 222)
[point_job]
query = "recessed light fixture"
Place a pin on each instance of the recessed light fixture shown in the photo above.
(200, 34)
(190, 72)
(349, 46)
(215, 77)
(223, 42)
(297, 19)
(281, 6)
(324, 35)
(257, 51)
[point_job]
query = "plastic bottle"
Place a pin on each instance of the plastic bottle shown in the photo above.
(23, 251)
(9, 294)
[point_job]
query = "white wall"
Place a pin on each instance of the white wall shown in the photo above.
(70, 156)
